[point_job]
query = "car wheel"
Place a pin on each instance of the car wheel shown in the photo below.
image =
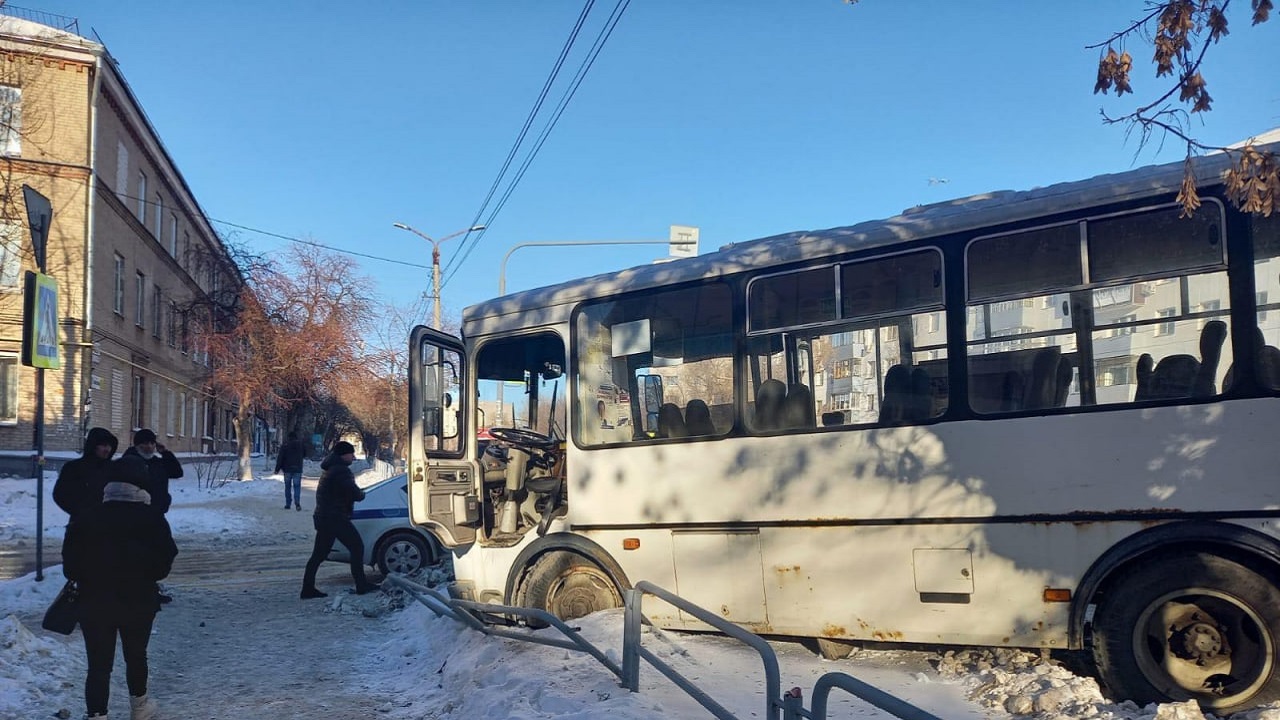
(403, 553)
(1195, 626)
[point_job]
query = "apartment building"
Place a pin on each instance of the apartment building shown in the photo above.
(141, 272)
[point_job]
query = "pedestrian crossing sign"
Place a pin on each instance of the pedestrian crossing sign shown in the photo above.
(40, 322)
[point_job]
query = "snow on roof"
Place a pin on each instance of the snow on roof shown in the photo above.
(925, 221)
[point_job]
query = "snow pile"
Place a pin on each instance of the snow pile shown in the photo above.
(1022, 683)
(35, 668)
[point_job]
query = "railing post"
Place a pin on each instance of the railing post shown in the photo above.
(793, 704)
(632, 601)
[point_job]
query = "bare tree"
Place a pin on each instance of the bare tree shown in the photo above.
(292, 338)
(1181, 33)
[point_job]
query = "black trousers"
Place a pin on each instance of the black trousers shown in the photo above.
(329, 529)
(100, 647)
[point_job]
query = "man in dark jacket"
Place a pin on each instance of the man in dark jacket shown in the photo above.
(336, 496)
(80, 481)
(116, 553)
(289, 461)
(161, 467)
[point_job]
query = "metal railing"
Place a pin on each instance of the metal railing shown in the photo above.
(778, 705)
(61, 22)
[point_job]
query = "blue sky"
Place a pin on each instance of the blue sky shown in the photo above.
(331, 121)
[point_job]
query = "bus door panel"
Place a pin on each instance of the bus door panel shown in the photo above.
(442, 479)
(721, 570)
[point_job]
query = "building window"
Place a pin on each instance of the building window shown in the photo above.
(1165, 328)
(140, 300)
(173, 324)
(117, 399)
(10, 120)
(8, 389)
(157, 312)
(182, 414)
(155, 405)
(139, 401)
(122, 170)
(159, 218)
(186, 250)
(142, 198)
(11, 241)
(185, 339)
(118, 300)
(170, 422)
(173, 236)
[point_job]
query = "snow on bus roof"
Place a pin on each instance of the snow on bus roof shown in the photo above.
(958, 215)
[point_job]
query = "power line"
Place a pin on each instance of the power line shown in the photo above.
(289, 238)
(575, 83)
(469, 243)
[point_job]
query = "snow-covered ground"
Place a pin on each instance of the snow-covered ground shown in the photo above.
(386, 656)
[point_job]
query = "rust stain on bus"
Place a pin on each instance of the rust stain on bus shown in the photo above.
(783, 569)
(833, 631)
(1084, 518)
(887, 635)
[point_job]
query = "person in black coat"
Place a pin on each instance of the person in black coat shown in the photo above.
(162, 466)
(336, 496)
(116, 553)
(80, 481)
(289, 461)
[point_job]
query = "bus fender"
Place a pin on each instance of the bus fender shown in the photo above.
(567, 542)
(1236, 541)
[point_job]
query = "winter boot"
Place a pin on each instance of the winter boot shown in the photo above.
(142, 707)
(103, 716)
(367, 588)
(311, 592)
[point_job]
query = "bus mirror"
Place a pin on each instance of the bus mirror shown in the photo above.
(1066, 309)
(448, 400)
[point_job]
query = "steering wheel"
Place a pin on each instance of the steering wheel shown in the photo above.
(522, 438)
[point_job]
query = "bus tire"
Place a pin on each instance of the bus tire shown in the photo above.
(568, 586)
(1191, 626)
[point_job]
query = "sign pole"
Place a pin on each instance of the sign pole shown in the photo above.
(39, 217)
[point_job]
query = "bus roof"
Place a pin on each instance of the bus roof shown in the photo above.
(553, 302)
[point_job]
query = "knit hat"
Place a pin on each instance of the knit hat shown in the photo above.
(144, 435)
(130, 469)
(342, 447)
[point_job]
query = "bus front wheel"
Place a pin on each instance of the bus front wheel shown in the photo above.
(1195, 626)
(568, 586)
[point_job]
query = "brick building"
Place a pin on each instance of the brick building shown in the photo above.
(139, 268)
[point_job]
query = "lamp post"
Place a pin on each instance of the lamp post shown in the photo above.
(435, 261)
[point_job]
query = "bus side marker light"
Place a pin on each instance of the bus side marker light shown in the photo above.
(1057, 595)
(630, 543)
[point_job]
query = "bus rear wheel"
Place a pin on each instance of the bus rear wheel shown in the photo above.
(1193, 627)
(569, 586)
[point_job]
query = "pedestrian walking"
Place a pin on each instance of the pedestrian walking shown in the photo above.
(116, 553)
(80, 481)
(289, 461)
(162, 466)
(336, 496)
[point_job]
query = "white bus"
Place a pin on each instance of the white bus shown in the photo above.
(1041, 419)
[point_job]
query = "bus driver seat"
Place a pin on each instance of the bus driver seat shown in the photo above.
(770, 397)
(671, 422)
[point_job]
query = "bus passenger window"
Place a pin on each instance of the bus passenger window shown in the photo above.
(1266, 286)
(658, 366)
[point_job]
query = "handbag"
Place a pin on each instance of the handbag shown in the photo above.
(63, 614)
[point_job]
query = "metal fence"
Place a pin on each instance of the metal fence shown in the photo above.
(61, 22)
(779, 705)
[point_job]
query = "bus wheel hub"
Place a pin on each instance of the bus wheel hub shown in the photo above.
(1201, 642)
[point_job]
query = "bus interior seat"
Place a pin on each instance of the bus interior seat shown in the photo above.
(671, 422)
(1043, 388)
(897, 395)
(1063, 388)
(833, 417)
(1211, 340)
(1011, 392)
(797, 409)
(1266, 363)
(697, 418)
(1183, 375)
(770, 397)
(920, 405)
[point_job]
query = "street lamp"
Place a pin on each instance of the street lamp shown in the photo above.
(435, 260)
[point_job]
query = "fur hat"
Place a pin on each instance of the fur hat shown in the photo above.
(145, 435)
(342, 447)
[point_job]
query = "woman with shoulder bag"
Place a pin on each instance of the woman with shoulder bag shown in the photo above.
(116, 553)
